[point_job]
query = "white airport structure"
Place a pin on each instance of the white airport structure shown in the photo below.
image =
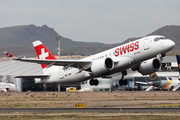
(11, 68)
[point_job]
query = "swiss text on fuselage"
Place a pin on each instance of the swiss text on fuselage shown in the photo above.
(127, 48)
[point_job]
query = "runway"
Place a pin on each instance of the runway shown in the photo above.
(90, 109)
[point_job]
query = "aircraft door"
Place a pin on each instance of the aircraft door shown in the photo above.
(146, 44)
(110, 54)
(61, 73)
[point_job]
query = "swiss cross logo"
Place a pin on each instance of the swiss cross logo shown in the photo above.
(9, 55)
(43, 55)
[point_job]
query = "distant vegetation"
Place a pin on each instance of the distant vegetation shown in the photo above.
(18, 41)
(173, 53)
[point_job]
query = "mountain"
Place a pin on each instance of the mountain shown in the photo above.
(25, 35)
(170, 31)
(18, 40)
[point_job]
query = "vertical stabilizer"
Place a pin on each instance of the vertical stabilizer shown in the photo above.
(154, 80)
(42, 52)
(8, 54)
(178, 61)
(153, 77)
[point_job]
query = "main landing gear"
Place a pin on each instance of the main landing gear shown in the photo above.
(93, 82)
(123, 81)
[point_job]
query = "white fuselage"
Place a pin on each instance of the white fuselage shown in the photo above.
(168, 84)
(124, 56)
(8, 87)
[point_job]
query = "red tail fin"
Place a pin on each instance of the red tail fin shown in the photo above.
(42, 52)
(8, 54)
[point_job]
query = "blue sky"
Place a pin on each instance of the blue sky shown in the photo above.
(106, 21)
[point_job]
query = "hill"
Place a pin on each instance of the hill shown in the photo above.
(172, 32)
(18, 40)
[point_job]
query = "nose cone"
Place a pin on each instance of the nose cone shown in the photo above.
(168, 45)
(171, 44)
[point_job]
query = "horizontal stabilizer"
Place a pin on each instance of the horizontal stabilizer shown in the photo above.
(31, 76)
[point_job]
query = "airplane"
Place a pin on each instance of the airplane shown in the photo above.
(155, 81)
(164, 84)
(8, 87)
(137, 55)
(8, 54)
(178, 61)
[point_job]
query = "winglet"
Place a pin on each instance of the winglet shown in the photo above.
(8, 54)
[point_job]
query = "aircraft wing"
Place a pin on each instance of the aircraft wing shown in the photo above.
(32, 76)
(142, 83)
(149, 88)
(65, 63)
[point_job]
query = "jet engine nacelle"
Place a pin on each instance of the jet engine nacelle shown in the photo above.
(149, 66)
(102, 66)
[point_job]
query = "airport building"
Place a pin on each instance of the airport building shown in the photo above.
(11, 68)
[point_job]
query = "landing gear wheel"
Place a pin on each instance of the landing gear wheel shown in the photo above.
(91, 82)
(120, 82)
(123, 82)
(94, 82)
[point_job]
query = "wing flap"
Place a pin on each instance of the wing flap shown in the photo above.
(144, 83)
(65, 63)
(31, 76)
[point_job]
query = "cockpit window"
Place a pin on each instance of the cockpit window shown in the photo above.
(156, 39)
(160, 38)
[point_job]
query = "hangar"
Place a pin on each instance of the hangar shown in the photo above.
(11, 68)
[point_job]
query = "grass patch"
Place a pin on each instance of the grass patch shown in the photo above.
(89, 117)
(165, 106)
